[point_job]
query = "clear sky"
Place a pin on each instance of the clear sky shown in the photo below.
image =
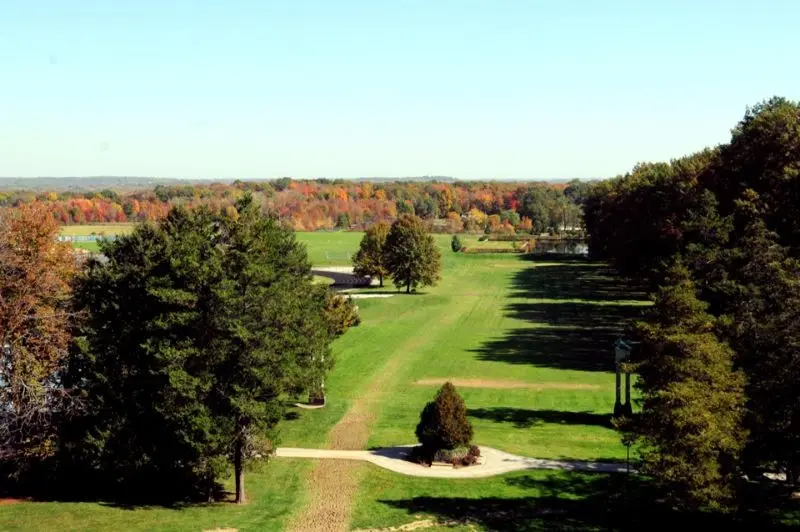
(341, 88)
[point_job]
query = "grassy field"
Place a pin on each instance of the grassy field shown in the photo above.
(528, 344)
(531, 342)
(96, 229)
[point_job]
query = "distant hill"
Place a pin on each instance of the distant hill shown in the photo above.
(91, 183)
(123, 183)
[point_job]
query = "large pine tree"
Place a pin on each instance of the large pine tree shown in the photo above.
(194, 331)
(690, 427)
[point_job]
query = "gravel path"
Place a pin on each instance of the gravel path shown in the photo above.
(494, 462)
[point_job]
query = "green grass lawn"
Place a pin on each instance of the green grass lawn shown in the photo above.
(496, 322)
(90, 246)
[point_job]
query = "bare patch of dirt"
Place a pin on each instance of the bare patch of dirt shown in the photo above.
(5, 501)
(507, 384)
(351, 433)
(334, 484)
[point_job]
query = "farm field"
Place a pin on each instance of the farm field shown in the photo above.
(527, 341)
(96, 229)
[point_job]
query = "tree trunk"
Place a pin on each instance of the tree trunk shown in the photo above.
(408, 286)
(380, 276)
(238, 466)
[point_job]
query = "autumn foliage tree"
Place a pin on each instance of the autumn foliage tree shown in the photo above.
(35, 276)
(412, 257)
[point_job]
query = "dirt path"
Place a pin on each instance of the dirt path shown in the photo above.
(334, 483)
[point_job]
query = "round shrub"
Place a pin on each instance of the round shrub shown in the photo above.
(443, 423)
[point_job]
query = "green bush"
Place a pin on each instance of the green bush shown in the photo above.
(443, 423)
(451, 455)
(456, 244)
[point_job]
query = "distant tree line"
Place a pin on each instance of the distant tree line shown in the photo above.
(321, 204)
(716, 237)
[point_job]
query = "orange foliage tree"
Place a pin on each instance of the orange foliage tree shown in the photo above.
(35, 288)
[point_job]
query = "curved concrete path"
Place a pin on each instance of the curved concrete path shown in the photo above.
(494, 462)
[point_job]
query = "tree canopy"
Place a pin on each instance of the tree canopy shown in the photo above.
(371, 256)
(412, 257)
(730, 216)
(35, 287)
(195, 328)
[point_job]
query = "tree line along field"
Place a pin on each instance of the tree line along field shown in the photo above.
(526, 341)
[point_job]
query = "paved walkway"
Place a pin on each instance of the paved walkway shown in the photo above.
(494, 462)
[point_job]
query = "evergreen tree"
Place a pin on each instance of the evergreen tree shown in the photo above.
(456, 244)
(693, 400)
(443, 423)
(763, 322)
(412, 257)
(371, 256)
(194, 331)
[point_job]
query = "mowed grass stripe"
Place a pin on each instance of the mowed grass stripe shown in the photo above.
(334, 483)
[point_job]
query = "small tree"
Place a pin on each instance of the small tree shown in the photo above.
(443, 423)
(412, 257)
(371, 256)
(456, 244)
(343, 221)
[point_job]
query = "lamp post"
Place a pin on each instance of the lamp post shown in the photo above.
(622, 355)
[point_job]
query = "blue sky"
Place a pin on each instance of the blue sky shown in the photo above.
(473, 89)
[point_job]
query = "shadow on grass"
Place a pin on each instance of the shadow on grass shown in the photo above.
(578, 502)
(576, 310)
(522, 418)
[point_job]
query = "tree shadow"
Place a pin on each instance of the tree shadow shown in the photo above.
(571, 278)
(523, 418)
(576, 502)
(576, 310)
(48, 481)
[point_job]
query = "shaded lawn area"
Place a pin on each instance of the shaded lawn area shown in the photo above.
(274, 494)
(534, 501)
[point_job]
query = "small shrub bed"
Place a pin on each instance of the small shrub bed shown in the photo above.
(445, 432)
(458, 457)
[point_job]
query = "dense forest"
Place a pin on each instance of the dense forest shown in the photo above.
(310, 205)
(716, 236)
